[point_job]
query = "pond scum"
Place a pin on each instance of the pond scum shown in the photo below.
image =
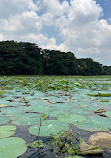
(52, 107)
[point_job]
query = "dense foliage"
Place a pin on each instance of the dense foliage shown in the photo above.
(23, 58)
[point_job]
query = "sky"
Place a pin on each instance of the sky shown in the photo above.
(80, 26)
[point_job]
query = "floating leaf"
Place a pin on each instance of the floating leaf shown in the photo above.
(104, 100)
(67, 94)
(45, 116)
(95, 123)
(101, 95)
(90, 149)
(75, 157)
(57, 100)
(3, 120)
(7, 131)
(108, 114)
(72, 118)
(36, 144)
(102, 139)
(99, 111)
(79, 111)
(90, 108)
(2, 105)
(12, 147)
(2, 92)
(49, 127)
(12, 111)
(27, 119)
(84, 105)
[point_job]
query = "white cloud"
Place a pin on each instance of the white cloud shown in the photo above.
(78, 24)
(1, 37)
(40, 39)
(53, 46)
(12, 7)
(26, 21)
(55, 8)
(83, 32)
(84, 11)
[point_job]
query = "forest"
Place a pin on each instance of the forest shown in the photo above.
(24, 58)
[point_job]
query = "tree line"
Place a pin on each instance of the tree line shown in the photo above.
(24, 58)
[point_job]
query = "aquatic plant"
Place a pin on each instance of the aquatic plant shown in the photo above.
(64, 143)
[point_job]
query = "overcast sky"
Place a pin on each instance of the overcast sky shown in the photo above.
(80, 26)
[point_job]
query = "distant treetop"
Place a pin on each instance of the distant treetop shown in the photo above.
(24, 58)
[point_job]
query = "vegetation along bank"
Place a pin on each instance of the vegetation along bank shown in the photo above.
(23, 58)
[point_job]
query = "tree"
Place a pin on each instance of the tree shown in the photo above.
(24, 58)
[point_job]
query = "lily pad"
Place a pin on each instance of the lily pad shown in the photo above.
(72, 118)
(79, 111)
(102, 139)
(26, 119)
(75, 157)
(101, 95)
(100, 111)
(7, 131)
(95, 123)
(90, 149)
(36, 144)
(108, 114)
(2, 92)
(12, 147)
(90, 108)
(49, 127)
(12, 111)
(57, 100)
(2, 105)
(3, 120)
(104, 100)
